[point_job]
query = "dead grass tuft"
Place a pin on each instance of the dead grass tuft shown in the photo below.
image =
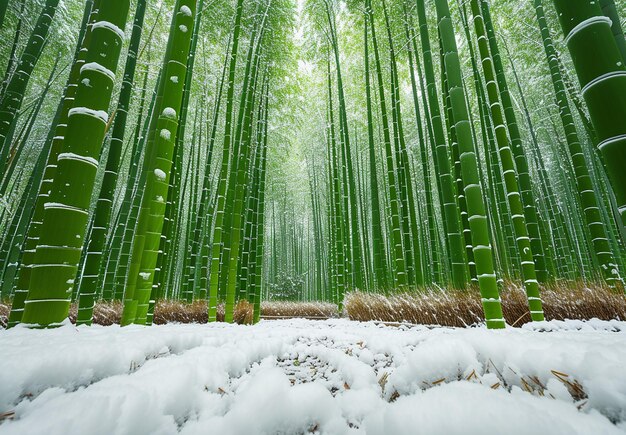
(460, 308)
(110, 313)
(5, 309)
(311, 310)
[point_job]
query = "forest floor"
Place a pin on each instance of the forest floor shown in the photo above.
(303, 376)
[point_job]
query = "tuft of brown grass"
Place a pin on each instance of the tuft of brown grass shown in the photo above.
(5, 309)
(308, 310)
(110, 313)
(104, 313)
(460, 308)
(180, 312)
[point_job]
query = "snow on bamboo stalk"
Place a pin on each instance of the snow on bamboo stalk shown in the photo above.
(54, 145)
(588, 199)
(378, 246)
(337, 224)
(450, 210)
(521, 162)
(10, 249)
(11, 100)
(260, 230)
(356, 263)
(102, 216)
(216, 249)
(469, 171)
(602, 76)
(405, 182)
(66, 212)
(429, 236)
(509, 171)
(158, 166)
(399, 261)
(169, 232)
(239, 175)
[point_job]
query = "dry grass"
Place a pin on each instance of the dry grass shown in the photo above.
(571, 300)
(5, 309)
(110, 313)
(561, 301)
(310, 310)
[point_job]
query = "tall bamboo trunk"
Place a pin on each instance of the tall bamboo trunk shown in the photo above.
(66, 212)
(601, 72)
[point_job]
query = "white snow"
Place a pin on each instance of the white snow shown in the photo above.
(166, 134)
(86, 111)
(95, 66)
(299, 376)
(73, 156)
(160, 174)
(168, 112)
(108, 25)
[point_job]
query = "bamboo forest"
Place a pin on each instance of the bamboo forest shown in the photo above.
(312, 216)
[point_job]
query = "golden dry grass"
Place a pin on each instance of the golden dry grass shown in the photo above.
(572, 300)
(311, 310)
(110, 313)
(565, 300)
(5, 309)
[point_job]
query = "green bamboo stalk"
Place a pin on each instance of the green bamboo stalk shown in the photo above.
(469, 171)
(65, 214)
(337, 223)
(240, 171)
(525, 184)
(450, 209)
(13, 95)
(55, 144)
(400, 276)
(4, 5)
(430, 255)
(261, 216)
(10, 69)
(509, 171)
(585, 188)
(602, 75)
(610, 10)
(158, 165)
(378, 247)
(104, 205)
(216, 251)
(405, 183)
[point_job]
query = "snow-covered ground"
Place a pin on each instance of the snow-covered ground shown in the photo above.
(298, 376)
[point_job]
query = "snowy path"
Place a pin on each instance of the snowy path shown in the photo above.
(299, 376)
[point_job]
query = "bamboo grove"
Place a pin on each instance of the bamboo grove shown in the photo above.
(229, 150)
